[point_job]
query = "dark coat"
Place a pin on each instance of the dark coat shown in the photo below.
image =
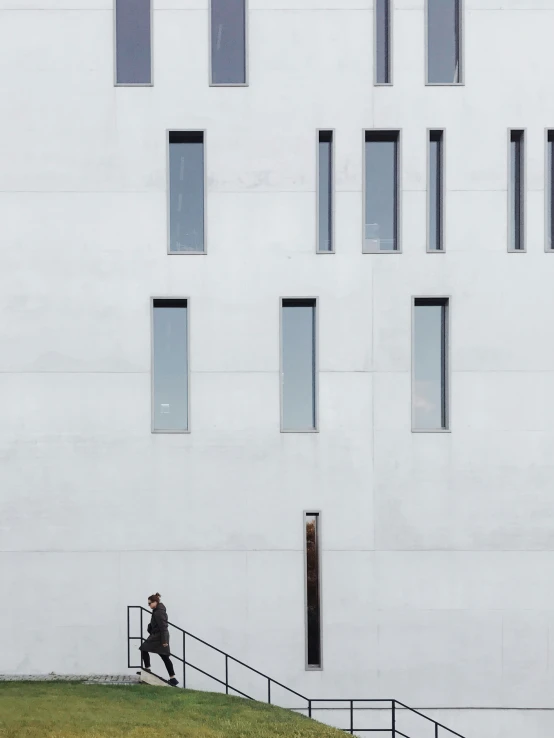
(159, 633)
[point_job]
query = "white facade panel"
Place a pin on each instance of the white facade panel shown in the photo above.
(436, 548)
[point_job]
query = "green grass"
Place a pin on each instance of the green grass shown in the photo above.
(69, 710)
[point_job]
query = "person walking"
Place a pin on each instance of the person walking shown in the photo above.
(158, 639)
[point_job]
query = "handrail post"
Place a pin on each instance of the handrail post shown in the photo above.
(436, 730)
(128, 637)
(184, 661)
(351, 717)
(141, 634)
(394, 719)
(309, 708)
(268, 691)
(226, 674)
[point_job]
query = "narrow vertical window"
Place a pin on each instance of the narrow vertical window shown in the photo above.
(436, 191)
(517, 191)
(133, 42)
(298, 365)
(313, 597)
(430, 365)
(186, 192)
(228, 42)
(550, 191)
(325, 193)
(381, 199)
(170, 366)
(444, 47)
(383, 42)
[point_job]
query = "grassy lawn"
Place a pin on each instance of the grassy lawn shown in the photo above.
(68, 710)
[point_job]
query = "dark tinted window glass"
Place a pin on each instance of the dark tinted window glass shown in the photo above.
(443, 41)
(133, 42)
(550, 194)
(313, 599)
(228, 30)
(516, 191)
(186, 192)
(429, 365)
(170, 365)
(381, 191)
(435, 190)
(325, 191)
(298, 365)
(382, 41)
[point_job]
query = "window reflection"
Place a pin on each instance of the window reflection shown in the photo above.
(228, 31)
(429, 398)
(443, 41)
(186, 191)
(170, 365)
(381, 191)
(313, 609)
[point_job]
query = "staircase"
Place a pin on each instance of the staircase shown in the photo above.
(386, 717)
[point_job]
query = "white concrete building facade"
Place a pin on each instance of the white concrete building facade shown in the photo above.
(437, 547)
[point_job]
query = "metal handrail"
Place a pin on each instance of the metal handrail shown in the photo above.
(350, 704)
(237, 661)
(435, 723)
(214, 648)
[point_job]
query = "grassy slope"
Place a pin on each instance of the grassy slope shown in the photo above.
(61, 710)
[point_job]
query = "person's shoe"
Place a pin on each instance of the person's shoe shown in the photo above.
(173, 682)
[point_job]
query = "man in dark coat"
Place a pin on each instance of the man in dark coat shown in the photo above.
(158, 639)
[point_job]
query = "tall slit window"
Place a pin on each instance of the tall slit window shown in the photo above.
(383, 42)
(228, 42)
(436, 191)
(430, 410)
(517, 191)
(313, 591)
(381, 200)
(550, 191)
(444, 45)
(325, 193)
(133, 42)
(170, 366)
(186, 192)
(298, 365)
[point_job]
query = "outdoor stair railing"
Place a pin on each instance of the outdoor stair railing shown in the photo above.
(394, 724)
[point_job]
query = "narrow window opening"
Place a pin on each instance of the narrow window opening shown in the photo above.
(298, 365)
(228, 42)
(313, 595)
(436, 190)
(170, 365)
(325, 193)
(383, 42)
(444, 47)
(550, 192)
(133, 41)
(517, 191)
(186, 192)
(381, 202)
(430, 365)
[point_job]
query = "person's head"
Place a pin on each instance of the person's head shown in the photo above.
(154, 600)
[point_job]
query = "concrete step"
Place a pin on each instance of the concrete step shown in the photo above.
(145, 677)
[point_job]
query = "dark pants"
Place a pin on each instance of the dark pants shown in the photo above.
(165, 659)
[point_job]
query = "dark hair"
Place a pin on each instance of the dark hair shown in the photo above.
(154, 598)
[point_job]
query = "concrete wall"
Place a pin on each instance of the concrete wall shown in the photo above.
(437, 548)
